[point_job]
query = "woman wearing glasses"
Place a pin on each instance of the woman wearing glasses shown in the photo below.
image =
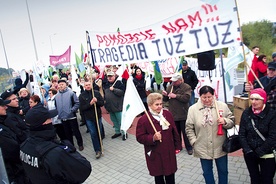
(258, 138)
(204, 118)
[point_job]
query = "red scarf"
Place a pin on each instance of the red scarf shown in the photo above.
(139, 77)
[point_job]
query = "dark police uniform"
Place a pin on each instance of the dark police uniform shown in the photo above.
(47, 162)
(10, 151)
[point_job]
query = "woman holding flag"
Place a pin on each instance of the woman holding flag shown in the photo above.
(157, 131)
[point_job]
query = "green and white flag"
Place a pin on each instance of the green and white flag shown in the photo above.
(132, 105)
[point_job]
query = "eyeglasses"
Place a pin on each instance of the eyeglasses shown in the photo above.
(272, 69)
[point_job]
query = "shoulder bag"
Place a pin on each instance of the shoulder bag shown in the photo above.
(231, 143)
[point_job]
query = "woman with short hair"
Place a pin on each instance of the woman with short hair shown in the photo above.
(202, 131)
(158, 133)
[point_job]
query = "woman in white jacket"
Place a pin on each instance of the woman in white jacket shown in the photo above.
(202, 131)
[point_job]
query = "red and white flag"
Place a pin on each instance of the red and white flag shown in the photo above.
(122, 72)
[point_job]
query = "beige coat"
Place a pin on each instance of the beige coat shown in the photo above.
(205, 141)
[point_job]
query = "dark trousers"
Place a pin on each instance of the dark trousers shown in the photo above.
(71, 127)
(165, 85)
(261, 170)
(180, 125)
(161, 179)
(60, 131)
(152, 86)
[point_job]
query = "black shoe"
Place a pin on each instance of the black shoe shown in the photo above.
(116, 135)
(81, 148)
(124, 137)
(87, 131)
(190, 152)
(82, 124)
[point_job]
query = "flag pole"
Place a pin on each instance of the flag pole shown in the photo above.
(223, 78)
(96, 114)
(243, 52)
(171, 91)
(90, 47)
(151, 123)
(92, 88)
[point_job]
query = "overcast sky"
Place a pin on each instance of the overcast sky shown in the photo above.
(59, 23)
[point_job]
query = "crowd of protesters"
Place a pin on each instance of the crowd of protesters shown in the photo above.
(43, 126)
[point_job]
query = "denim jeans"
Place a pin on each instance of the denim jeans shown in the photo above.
(192, 99)
(93, 130)
(222, 167)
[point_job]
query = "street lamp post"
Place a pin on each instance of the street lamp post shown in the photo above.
(50, 37)
(32, 30)
(5, 54)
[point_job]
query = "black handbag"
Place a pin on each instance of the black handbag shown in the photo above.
(231, 143)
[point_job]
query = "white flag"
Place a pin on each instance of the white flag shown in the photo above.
(235, 56)
(132, 105)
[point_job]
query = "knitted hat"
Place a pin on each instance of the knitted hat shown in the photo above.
(258, 93)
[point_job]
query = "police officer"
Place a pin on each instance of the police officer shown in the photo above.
(13, 120)
(47, 160)
(10, 149)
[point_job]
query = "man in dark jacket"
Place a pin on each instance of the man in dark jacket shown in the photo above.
(46, 160)
(114, 96)
(13, 120)
(178, 94)
(10, 148)
(190, 78)
(88, 101)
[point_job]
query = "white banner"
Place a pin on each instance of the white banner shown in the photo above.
(168, 67)
(199, 29)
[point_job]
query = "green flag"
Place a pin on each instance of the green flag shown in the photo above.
(80, 66)
(157, 73)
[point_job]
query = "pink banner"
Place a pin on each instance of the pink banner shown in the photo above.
(64, 58)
